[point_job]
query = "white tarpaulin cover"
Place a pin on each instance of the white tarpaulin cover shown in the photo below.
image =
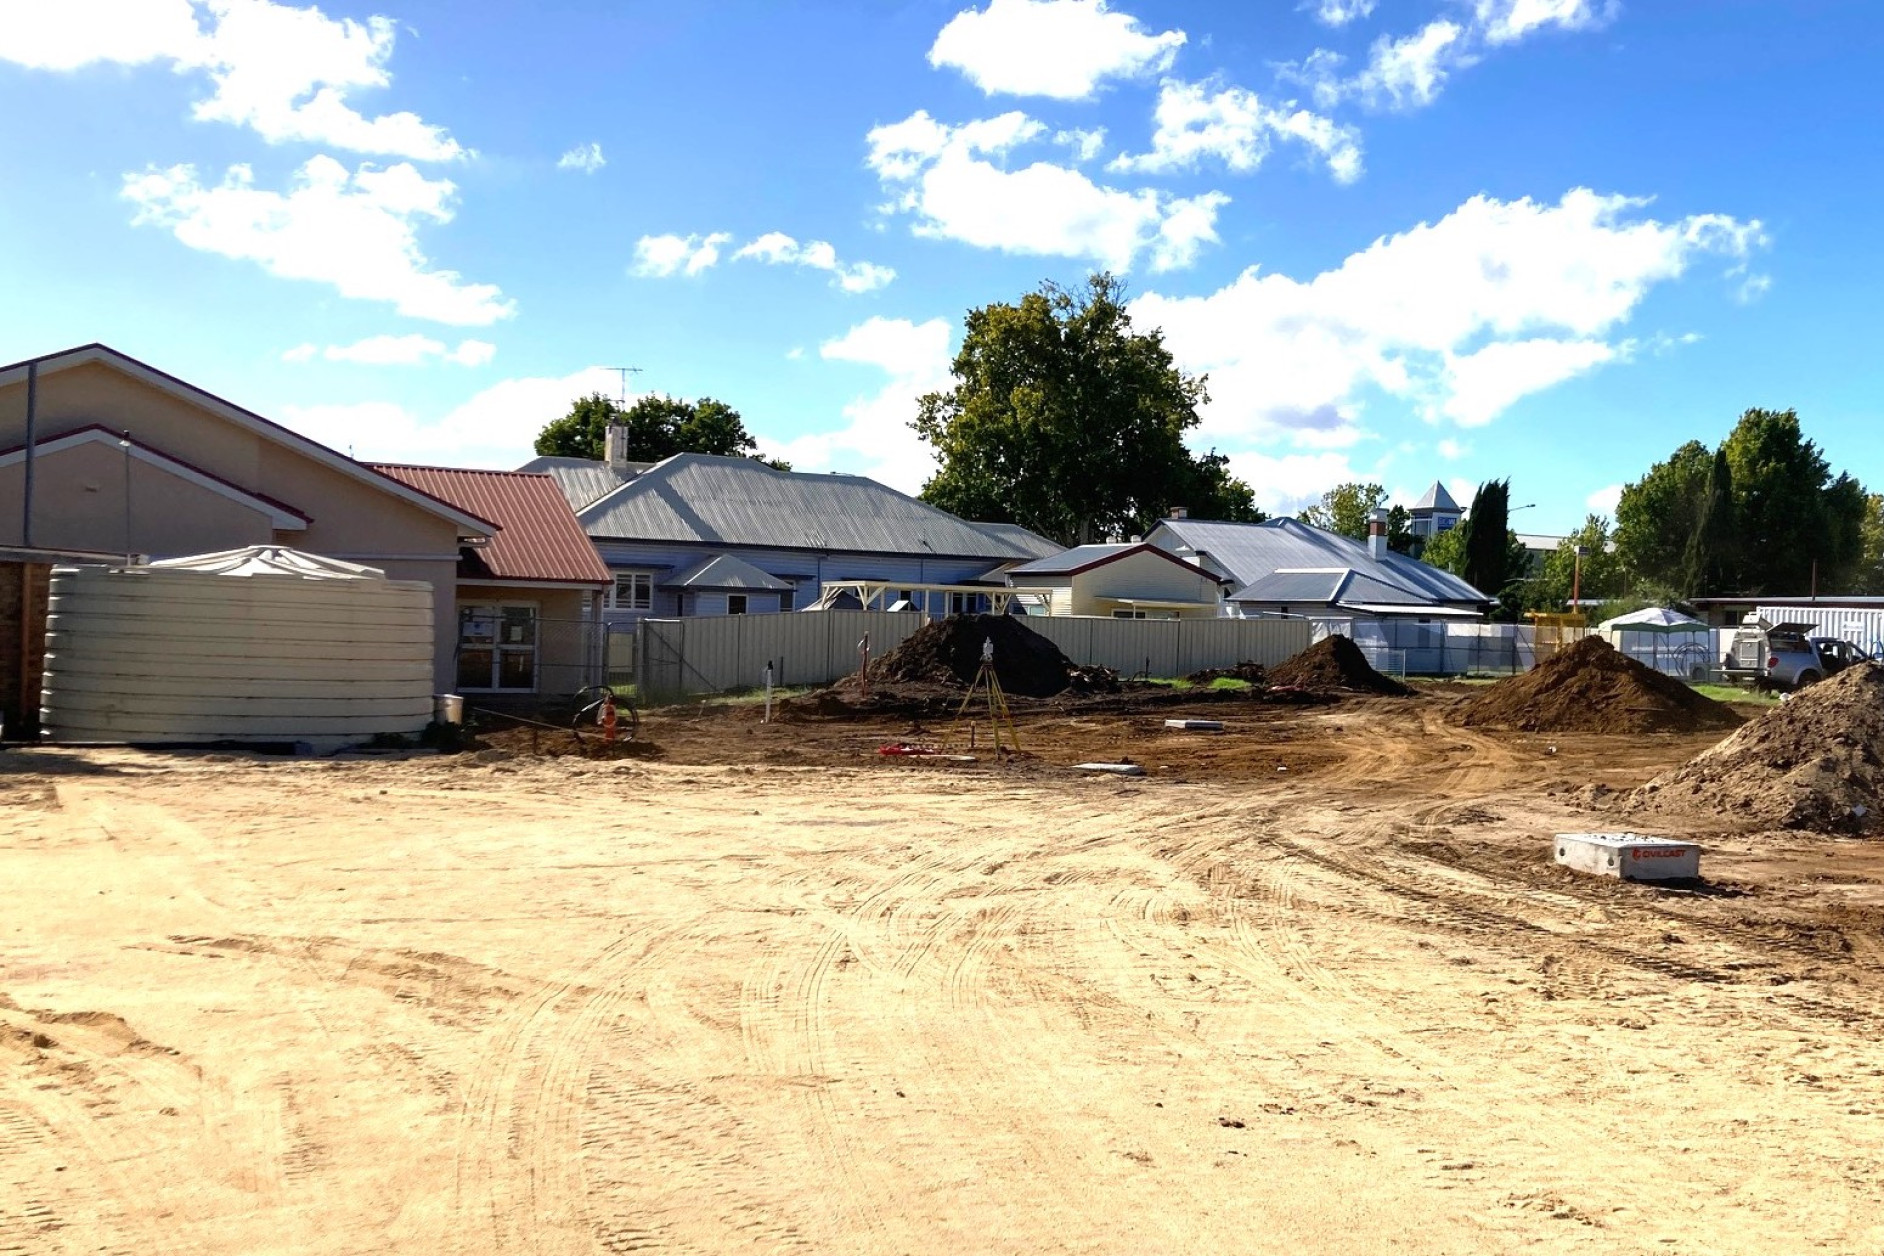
(1653, 619)
(271, 560)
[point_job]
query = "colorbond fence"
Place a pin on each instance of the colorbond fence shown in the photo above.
(678, 657)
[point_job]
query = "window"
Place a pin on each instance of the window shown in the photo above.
(735, 604)
(634, 591)
(1128, 614)
(964, 603)
(497, 646)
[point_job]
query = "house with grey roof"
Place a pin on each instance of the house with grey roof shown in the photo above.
(1130, 581)
(698, 534)
(1287, 567)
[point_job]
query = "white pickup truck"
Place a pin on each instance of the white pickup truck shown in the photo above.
(1786, 656)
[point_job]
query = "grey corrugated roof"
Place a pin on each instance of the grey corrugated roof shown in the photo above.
(1063, 561)
(1436, 498)
(1032, 543)
(583, 480)
(1251, 551)
(699, 498)
(723, 571)
(1284, 587)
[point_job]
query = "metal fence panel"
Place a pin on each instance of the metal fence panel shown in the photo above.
(677, 657)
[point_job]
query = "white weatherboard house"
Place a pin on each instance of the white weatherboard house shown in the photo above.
(1136, 581)
(698, 534)
(1287, 567)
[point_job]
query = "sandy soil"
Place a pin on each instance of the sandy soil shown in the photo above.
(807, 1000)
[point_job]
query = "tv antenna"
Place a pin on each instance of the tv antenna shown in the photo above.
(624, 372)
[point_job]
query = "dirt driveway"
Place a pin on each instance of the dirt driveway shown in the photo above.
(574, 1007)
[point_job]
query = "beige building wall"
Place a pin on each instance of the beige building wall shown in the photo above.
(1147, 577)
(350, 519)
(567, 645)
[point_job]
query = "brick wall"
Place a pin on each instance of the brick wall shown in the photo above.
(22, 662)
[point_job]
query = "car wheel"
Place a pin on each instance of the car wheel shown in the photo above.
(1807, 677)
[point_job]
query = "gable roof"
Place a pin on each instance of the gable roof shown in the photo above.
(1083, 558)
(1022, 538)
(248, 420)
(725, 572)
(1436, 498)
(538, 537)
(1254, 552)
(281, 516)
(705, 499)
(583, 480)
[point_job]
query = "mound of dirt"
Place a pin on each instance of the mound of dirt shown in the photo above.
(1815, 762)
(1592, 688)
(948, 652)
(1335, 663)
(1252, 673)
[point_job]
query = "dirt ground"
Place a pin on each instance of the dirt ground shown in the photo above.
(766, 991)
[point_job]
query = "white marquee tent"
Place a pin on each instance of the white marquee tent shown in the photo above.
(1665, 640)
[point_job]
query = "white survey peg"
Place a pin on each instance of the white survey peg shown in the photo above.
(987, 650)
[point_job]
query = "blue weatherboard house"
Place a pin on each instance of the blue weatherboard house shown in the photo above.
(703, 535)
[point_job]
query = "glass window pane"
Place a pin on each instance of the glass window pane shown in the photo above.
(516, 669)
(477, 625)
(519, 626)
(474, 669)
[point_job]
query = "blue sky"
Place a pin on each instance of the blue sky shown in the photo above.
(1408, 239)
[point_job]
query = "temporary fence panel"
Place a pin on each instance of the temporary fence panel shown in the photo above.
(678, 657)
(1408, 647)
(1172, 647)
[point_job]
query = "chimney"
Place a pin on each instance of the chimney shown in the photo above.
(1180, 512)
(1377, 533)
(615, 447)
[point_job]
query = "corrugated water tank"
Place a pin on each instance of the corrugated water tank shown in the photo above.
(264, 644)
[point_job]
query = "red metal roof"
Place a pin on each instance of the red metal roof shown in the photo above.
(538, 537)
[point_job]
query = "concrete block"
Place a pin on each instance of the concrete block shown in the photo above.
(1629, 856)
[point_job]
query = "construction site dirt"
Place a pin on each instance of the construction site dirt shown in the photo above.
(1311, 984)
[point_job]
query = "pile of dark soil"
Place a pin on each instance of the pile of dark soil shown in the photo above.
(1251, 672)
(948, 652)
(1335, 663)
(1592, 688)
(1816, 762)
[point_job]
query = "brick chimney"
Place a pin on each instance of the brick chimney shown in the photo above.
(1377, 533)
(615, 447)
(1180, 512)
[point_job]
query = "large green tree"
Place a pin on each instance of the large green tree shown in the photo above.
(1657, 515)
(1601, 569)
(1345, 509)
(1067, 420)
(658, 427)
(1494, 559)
(1712, 557)
(1870, 577)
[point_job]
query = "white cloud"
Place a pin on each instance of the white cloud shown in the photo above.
(1452, 450)
(1339, 12)
(660, 256)
(285, 72)
(408, 350)
(1286, 484)
(1058, 48)
(877, 440)
(1235, 127)
(1086, 144)
(1407, 73)
(494, 428)
(1507, 21)
(355, 231)
(584, 157)
(775, 248)
(941, 176)
(69, 34)
(1460, 318)
(1604, 500)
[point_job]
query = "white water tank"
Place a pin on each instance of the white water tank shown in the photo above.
(264, 644)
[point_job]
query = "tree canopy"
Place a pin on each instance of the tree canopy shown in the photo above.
(1345, 508)
(658, 427)
(1066, 420)
(1762, 513)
